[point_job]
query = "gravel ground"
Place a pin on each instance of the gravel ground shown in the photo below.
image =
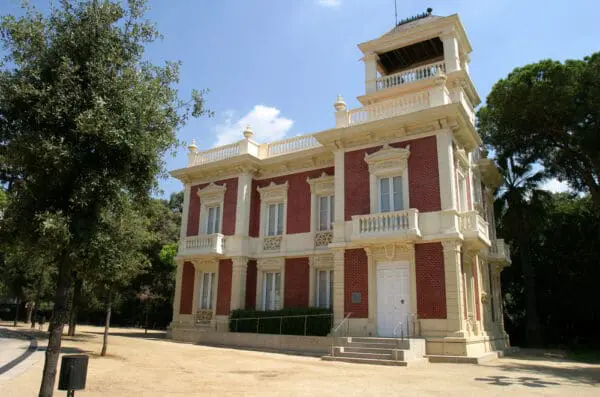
(139, 365)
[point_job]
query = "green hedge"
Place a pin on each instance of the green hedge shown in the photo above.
(270, 322)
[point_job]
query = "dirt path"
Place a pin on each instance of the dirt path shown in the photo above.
(151, 366)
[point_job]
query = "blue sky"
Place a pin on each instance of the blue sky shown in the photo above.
(279, 64)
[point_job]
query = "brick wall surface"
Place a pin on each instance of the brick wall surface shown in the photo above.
(423, 177)
(296, 282)
(431, 290)
(356, 279)
(224, 287)
(298, 208)
(187, 288)
(229, 207)
(251, 284)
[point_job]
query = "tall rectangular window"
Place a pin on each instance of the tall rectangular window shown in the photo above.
(271, 291)
(326, 212)
(390, 194)
(325, 288)
(274, 219)
(206, 290)
(213, 220)
(462, 193)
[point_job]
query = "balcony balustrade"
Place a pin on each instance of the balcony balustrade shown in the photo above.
(397, 225)
(391, 108)
(499, 252)
(410, 76)
(474, 227)
(205, 244)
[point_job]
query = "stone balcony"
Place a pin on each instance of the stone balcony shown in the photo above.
(386, 226)
(499, 252)
(474, 229)
(204, 244)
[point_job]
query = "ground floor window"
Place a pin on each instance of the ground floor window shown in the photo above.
(325, 288)
(206, 290)
(271, 291)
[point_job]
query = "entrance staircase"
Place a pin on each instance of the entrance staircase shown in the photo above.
(380, 351)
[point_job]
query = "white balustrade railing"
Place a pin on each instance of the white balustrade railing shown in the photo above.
(500, 249)
(216, 154)
(291, 145)
(471, 223)
(411, 75)
(387, 109)
(385, 222)
(206, 242)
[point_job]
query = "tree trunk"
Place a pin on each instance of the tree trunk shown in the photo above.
(107, 323)
(17, 312)
(532, 324)
(29, 312)
(146, 320)
(75, 307)
(38, 297)
(55, 330)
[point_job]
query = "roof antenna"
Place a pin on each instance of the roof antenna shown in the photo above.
(396, 12)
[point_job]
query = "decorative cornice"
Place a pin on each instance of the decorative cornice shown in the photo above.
(321, 262)
(277, 263)
(451, 246)
(322, 185)
(388, 159)
(273, 191)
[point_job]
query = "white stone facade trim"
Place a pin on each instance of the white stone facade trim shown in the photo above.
(388, 162)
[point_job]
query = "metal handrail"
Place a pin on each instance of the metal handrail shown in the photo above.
(280, 318)
(395, 332)
(335, 330)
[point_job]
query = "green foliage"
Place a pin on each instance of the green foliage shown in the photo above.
(550, 112)
(319, 323)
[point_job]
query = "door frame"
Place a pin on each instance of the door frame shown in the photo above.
(397, 265)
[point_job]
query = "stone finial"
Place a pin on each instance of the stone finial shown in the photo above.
(248, 133)
(339, 104)
(192, 146)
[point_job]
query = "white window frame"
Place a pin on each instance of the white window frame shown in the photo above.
(217, 220)
(269, 265)
(316, 264)
(328, 288)
(272, 194)
(388, 162)
(329, 212)
(321, 186)
(391, 193)
(205, 266)
(211, 290)
(271, 288)
(461, 181)
(277, 221)
(211, 196)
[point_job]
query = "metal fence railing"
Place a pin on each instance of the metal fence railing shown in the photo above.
(306, 324)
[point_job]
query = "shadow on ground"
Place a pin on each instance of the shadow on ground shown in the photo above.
(527, 365)
(153, 335)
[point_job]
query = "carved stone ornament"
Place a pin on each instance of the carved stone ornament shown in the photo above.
(212, 193)
(273, 192)
(265, 264)
(321, 262)
(323, 185)
(388, 160)
(272, 243)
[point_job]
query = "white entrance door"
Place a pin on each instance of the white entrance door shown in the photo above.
(393, 297)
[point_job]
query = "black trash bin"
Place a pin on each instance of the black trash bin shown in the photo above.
(73, 373)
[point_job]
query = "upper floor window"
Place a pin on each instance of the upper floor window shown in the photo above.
(274, 219)
(213, 220)
(390, 194)
(326, 212)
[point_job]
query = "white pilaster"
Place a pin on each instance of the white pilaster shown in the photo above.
(177, 297)
(242, 212)
(185, 210)
(371, 72)
(451, 53)
(455, 323)
(312, 276)
(238, 282)
(446, 170)
(339, 227)
(338, 286)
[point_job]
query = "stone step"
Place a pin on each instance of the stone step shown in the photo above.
(354, 349)
(372, 361)
(380, 356)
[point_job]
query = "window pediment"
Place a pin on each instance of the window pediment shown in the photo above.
(323, 185)
(321, 262)
(388, 160)
(270, 264)
(212, 194)
(273, 192)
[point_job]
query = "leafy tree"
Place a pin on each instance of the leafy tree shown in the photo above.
(519, 206)
(550, 111)
(83, 118)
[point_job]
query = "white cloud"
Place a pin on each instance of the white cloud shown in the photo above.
(555, 186)
(329, 3)
(265, 121)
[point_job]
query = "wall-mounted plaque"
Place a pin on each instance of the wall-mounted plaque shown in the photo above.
(356, 297)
